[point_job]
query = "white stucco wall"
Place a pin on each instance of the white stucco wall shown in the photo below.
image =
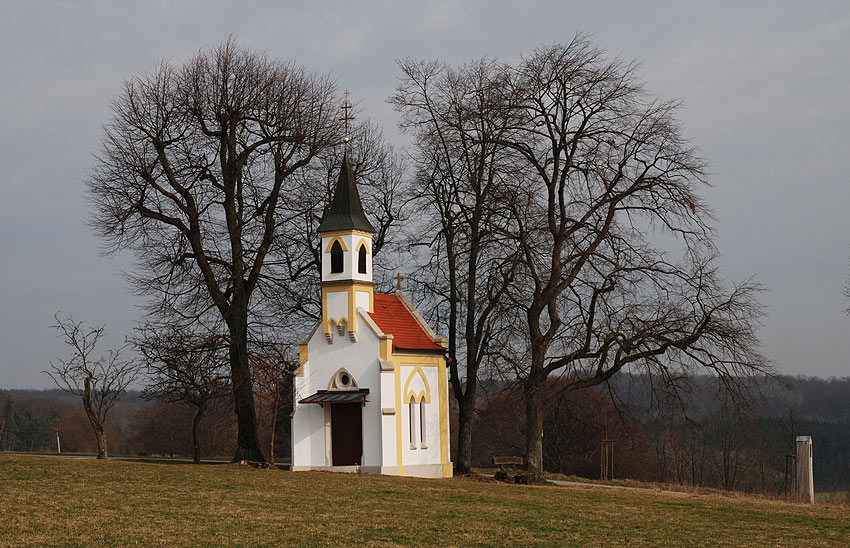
(388, 422)
(338, 306)
(413, 454)
(360, 359)
(311, 423)
(363, 300)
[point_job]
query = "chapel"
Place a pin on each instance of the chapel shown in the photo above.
(371, 392)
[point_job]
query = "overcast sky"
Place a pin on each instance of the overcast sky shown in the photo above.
(765, 85)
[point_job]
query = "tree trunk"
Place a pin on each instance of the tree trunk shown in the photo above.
(248, 441)
(466, 406)
(274, 424)
(101, 441)
(196, 441)
(94, 419)
(533, 428)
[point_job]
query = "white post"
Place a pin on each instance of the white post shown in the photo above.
(805, 479)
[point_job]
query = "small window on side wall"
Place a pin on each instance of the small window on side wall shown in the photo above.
(412, 415)
(361, 260)
(336, 258)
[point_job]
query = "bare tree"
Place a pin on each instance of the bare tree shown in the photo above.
(456, 119)
(185, 368)
(273, 379)
(97, 380)
(196, 168)
(609, 197)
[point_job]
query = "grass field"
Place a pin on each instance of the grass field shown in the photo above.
(55, 502)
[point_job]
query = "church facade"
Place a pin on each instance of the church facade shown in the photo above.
(371, 392)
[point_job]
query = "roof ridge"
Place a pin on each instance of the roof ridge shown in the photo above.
(403, 321)
(418, 317)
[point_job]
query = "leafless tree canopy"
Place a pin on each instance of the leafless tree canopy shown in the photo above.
(97, 379)
(599, 204)
(215, 172)
(610, 177)
(463, 173)
(208, 172)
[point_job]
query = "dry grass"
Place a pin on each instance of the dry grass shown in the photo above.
(55, 502)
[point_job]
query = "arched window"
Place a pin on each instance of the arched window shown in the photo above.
(412, 408)
(422, 443)
(361, 260)
(336, 258)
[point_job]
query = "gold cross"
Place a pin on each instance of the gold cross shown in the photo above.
(347, 117)
(398, 278)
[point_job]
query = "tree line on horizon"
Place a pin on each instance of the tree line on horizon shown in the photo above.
(712, 444)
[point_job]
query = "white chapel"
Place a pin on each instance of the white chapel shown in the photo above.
(371, 392)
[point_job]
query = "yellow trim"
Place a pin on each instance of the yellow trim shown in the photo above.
(333, 233)
(302, 353)
(341, 244)
(362, 243)
(419, 359)
(351, 288)
(423, 394)
(417, 362)
(398, 450)
(442, 381)
(386, 350)
(352, 309)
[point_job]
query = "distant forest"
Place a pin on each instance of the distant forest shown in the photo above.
(697, 436)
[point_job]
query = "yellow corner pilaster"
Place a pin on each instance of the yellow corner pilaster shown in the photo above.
(386, 350)
(326, 328)
(397, 374)
(442, 381)
(352, 308)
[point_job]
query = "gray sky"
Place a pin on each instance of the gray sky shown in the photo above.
(765, 86)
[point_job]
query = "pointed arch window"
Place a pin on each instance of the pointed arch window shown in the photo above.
(422, 443)
(361, 260)
(412, 409)
(336, 258)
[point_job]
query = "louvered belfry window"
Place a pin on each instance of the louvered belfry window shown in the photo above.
(336, 258)
(361, 260)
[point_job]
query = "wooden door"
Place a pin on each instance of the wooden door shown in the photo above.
(346, 434)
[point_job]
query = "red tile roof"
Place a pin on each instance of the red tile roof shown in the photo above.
(395, 319)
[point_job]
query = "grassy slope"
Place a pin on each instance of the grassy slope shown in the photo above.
(54, 502)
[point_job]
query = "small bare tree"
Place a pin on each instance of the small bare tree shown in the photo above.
(185, 368)
(98, 381)
(272, 375)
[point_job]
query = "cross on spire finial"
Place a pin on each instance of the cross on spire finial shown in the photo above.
(398, 278)
(346, 107)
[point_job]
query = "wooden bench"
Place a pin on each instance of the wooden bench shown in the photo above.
(513, 463)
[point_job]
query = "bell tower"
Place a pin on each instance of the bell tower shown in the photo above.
(346, 258)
